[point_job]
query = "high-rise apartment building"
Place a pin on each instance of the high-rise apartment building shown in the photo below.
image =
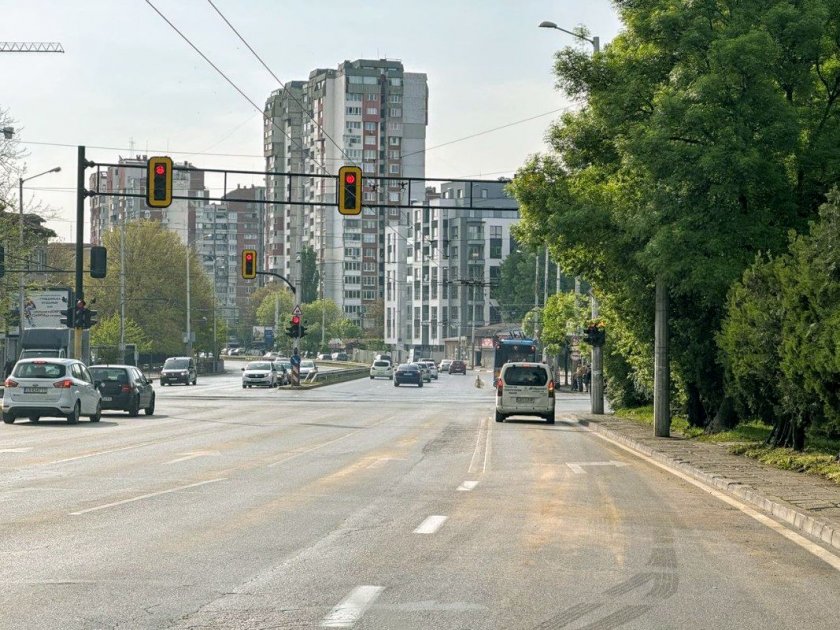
(366, 112)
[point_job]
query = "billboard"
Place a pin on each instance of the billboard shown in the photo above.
(42, 307)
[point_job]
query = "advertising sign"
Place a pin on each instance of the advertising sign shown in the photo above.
(42, 308)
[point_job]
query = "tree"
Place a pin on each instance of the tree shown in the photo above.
(155, 295)
(105, 337)
(704, 136)
(276, 300)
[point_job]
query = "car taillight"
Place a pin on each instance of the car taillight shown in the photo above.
(126, 388)
(65, 384)
(10, 383)
(551, 389)
(499, 386)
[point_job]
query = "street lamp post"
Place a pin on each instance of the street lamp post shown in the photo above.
(596, 43)
(21, 181)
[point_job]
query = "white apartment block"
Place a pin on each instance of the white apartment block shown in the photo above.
(440, 266)
(216, 245)
(369, 113)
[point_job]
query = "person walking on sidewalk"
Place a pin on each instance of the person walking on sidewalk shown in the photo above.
(587, 378)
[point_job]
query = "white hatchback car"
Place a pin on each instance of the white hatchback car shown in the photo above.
(381, 369)
(525, 389)
(62, 388)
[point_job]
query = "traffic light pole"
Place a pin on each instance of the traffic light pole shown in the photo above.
(81, 193)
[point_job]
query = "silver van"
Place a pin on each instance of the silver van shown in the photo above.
(525, 389)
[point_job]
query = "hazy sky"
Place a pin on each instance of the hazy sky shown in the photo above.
(127, 76)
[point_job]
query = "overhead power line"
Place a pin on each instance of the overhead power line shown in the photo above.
(35, 47)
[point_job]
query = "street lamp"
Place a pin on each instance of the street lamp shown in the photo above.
(21, 181)
(596, 43)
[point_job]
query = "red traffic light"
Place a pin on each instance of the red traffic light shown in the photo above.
(249, 256)
(350, 178)
(160, 169)
(295, 320)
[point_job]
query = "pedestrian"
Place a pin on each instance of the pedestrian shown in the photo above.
(587, 378)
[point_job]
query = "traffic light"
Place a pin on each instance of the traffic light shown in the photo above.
(79, 314)
(350, 190)
(159, 178)
(67, 316)
(98, 261)
(89, 318)
(302, 332)
(249, 264)
(2, 261)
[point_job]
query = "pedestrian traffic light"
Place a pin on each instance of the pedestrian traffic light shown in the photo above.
(79, 314)
(89, 318)
(67, 316)
(159, 182)
(350, 190)
(291, 330)
(98, 261)
(249, 264)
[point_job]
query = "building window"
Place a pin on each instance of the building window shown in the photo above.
(496, 248)
(495, 231)
(369, 266)
(395, 98)
(354, 111)
(370, 140)
(371, 111)
(370, 126)
(369, 238)
(370, 168)
(395, 112)
(350, 125)
(393, 141)
(352, 98)
(370, 154)
(394, 169)
(395, 127)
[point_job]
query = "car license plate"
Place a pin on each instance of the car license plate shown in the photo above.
(34, 390)
(524, 399)
(106, 398)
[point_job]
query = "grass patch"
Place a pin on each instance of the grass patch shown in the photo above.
(748, 439)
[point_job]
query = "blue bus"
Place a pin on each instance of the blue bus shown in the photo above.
(509, 349)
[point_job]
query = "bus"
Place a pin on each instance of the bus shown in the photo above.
(508, 349)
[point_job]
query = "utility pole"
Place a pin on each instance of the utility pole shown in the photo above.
(596, 383)
(189, 332)
(122, 284)
(661, 375)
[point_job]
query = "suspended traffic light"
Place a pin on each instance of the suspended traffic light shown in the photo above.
(249, 264)
(98, 261)
(350, 190)
(159, 179)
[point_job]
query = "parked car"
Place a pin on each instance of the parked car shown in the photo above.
(457, 367)
(57, 388)
(259, 374)
(307, 367)
(433, 370)
(271, 355)
(444, 365)
(408, 373)
(324, 356)
(178, 370)
(381, 369)
(525, 389)
(424, 371)
(125, 388)
(340, 356)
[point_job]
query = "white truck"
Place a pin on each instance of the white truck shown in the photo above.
(52, 342)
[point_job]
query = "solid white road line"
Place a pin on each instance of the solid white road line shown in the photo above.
(193, 455)
(431, 525)
(23, 449)
(351, 609)
(467, 486)
(96, 454)
(576, 469)
(146, 496)
(824, 555)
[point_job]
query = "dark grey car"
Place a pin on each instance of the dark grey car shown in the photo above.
(125, 388)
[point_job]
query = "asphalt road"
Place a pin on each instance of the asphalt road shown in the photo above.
(361, 505)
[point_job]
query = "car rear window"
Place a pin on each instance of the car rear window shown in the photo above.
(522, 375)
(408, 368)
(381, 364)
(40, 370)
(176, 364)
(258, 365)
(114, 375)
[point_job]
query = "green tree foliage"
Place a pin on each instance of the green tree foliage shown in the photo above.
(105, 336)
(155, 295)
(706, 133)
(281, 299)
(310, 277)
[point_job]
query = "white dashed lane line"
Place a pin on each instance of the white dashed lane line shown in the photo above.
(467, 486)
(351, 609)
(431, 525)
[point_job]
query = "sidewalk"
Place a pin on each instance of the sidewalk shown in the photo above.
(807, 502)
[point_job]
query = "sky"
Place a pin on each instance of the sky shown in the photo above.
(127, 79)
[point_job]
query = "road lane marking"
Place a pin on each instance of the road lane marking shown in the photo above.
(577, 467)
(467, 486)
(96, 454)
(826, 556)
(483, 432)
(298, 453)
(351, 609)
(23, 449)
(431, 524)
(193, 455)
(146, 496)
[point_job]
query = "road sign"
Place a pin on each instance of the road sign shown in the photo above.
(297, 310)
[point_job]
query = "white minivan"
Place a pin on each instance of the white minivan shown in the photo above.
(525, 389)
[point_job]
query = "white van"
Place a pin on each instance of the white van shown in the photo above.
(525, 389)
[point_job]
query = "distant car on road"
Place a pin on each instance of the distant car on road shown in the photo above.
(340, 356)
(324, 356)
(408, 373)
(381, 369)
(284, 369)
(259, 374)
(57, 388)
(444, 365)
(307, 367)
(433, 370)
(125, 388)
(424, 371)
(178, 370)
(457, 367)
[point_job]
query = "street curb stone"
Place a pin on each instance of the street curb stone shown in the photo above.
(816, 528)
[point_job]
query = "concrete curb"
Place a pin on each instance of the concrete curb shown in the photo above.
(799, 520)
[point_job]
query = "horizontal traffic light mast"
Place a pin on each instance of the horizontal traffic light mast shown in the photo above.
(472, 201)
